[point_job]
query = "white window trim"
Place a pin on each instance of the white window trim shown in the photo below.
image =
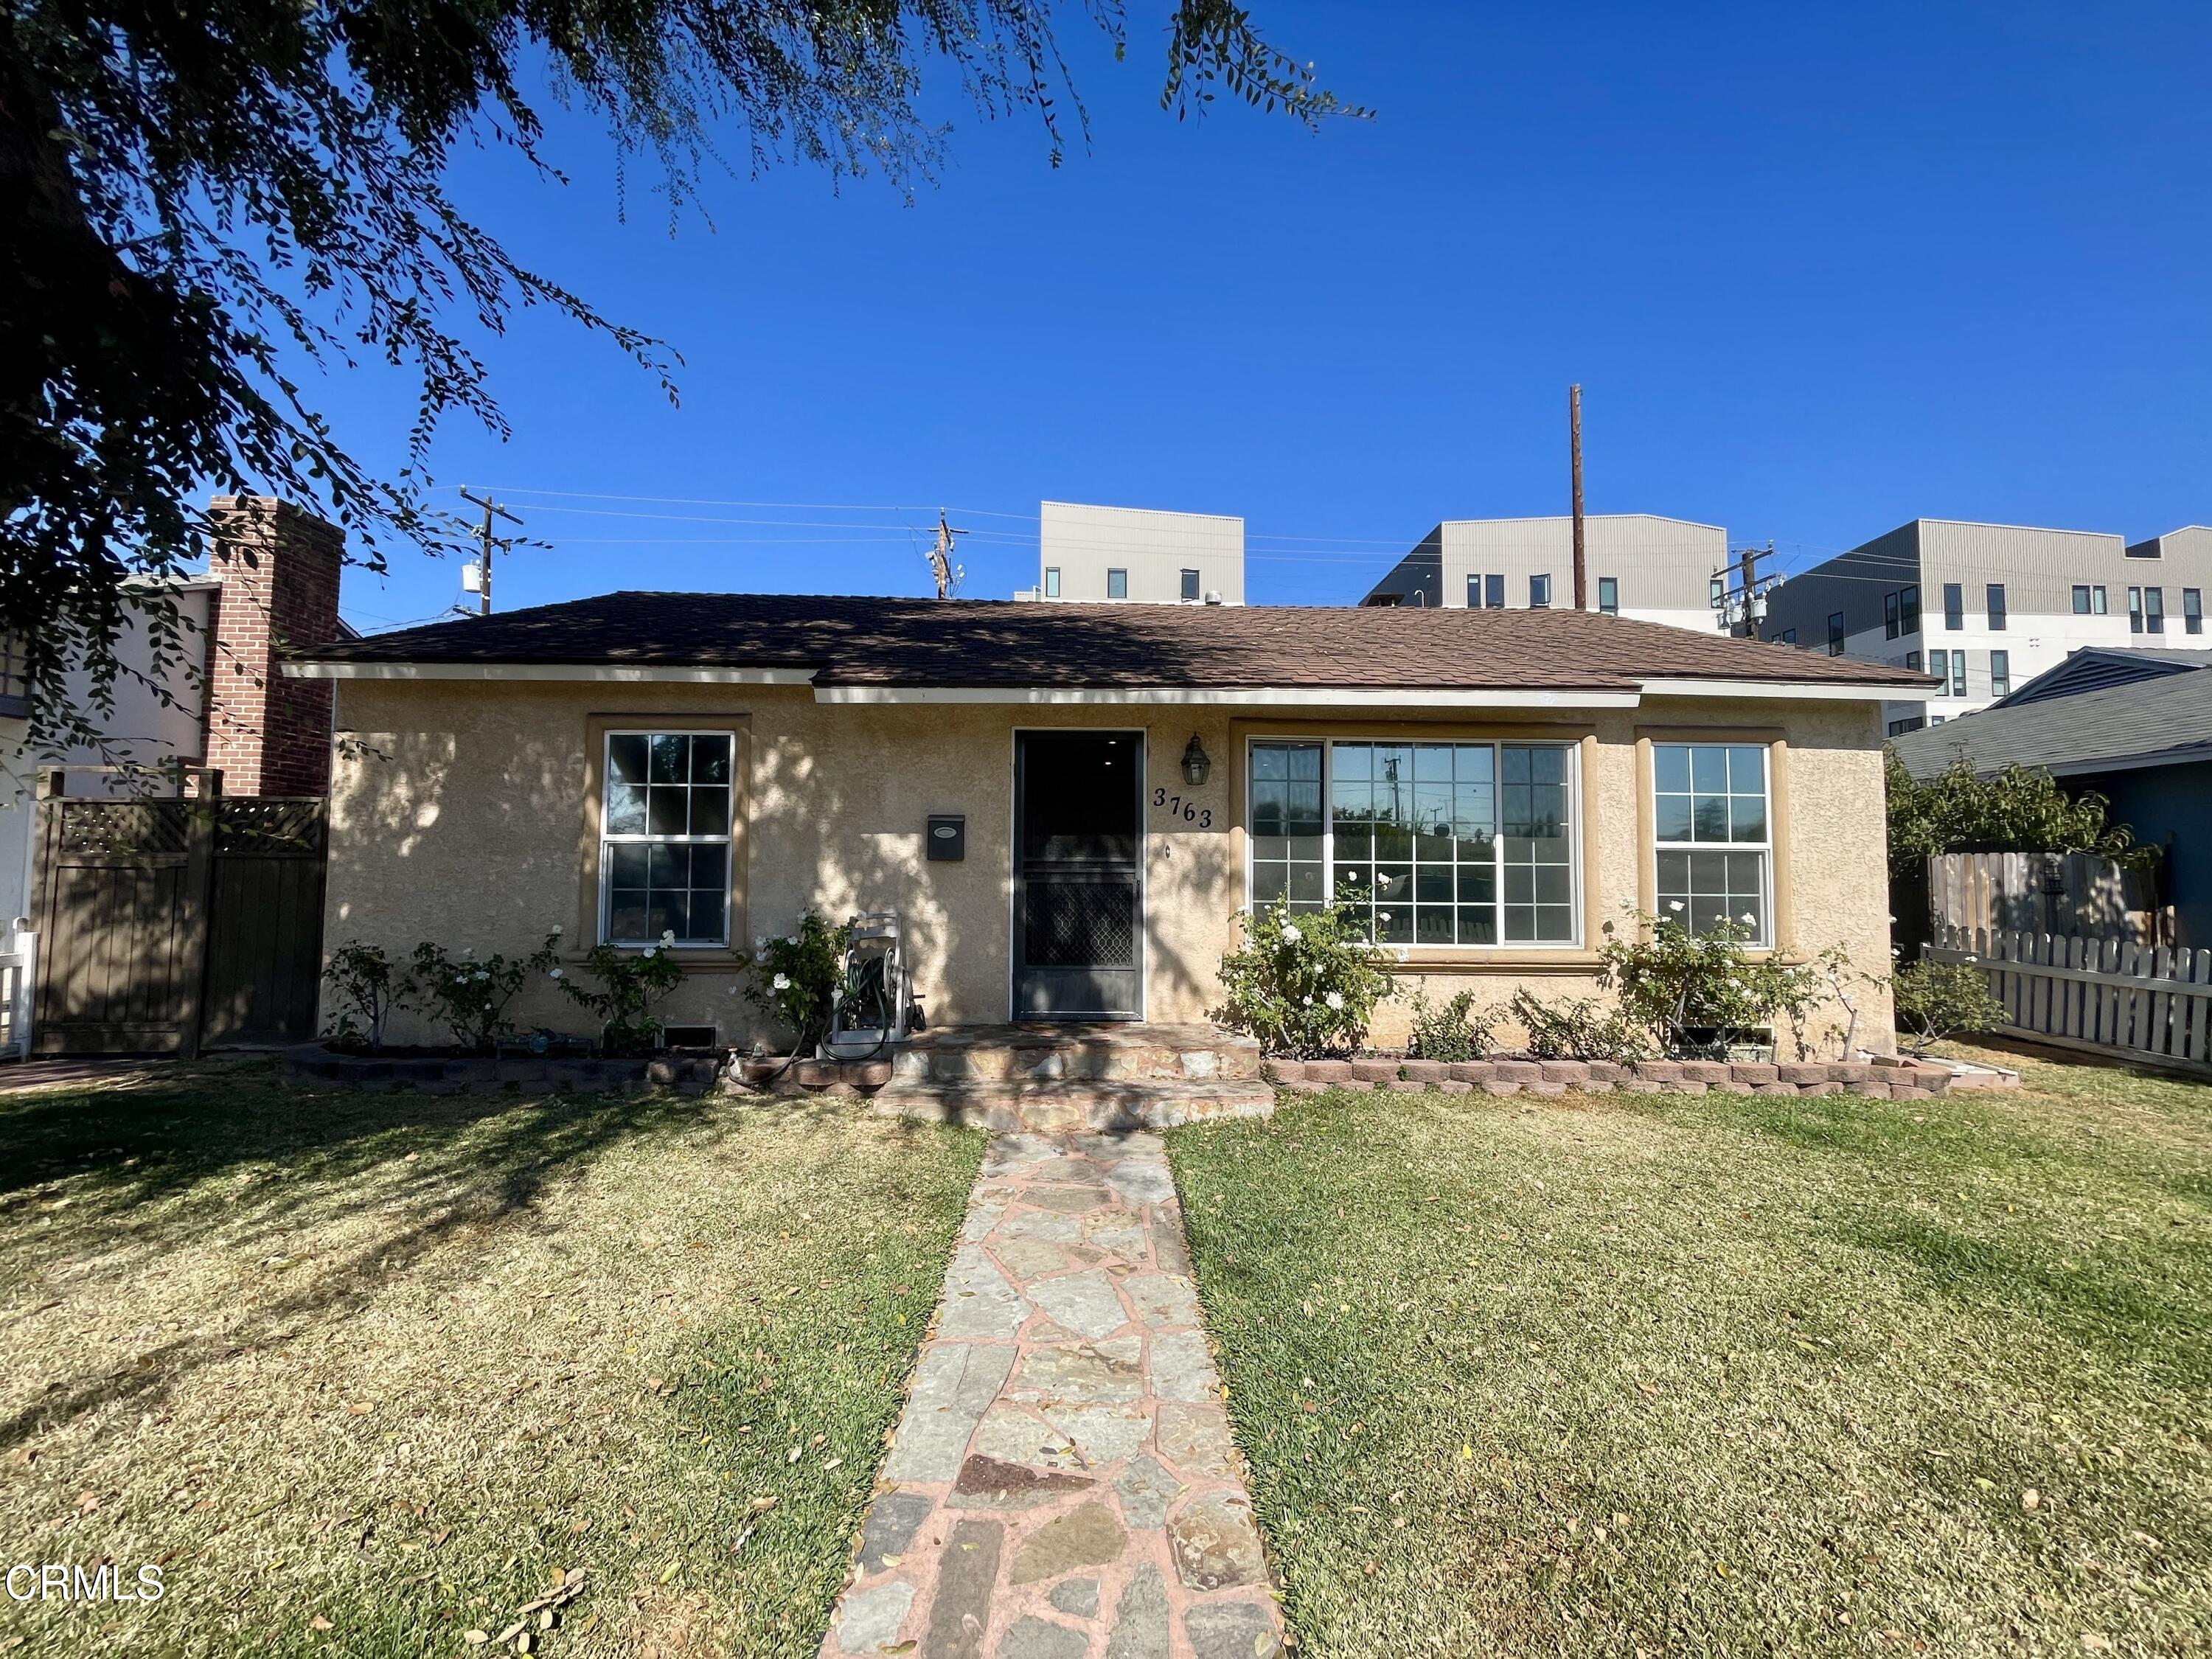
(1406, 952)
(726, 839)
(1765, 941)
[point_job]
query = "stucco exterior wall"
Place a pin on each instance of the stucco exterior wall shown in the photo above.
(457, 815)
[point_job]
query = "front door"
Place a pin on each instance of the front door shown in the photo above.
(1079, 886)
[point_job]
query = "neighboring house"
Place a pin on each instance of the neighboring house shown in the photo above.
(1115, 783)
(1637, 565)
(2094, 667)
(1987, 607)
(272, 580)
(1137, 554)
(2145, 746)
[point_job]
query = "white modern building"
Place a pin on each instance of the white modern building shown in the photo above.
(1137, 556)
(1638, 564)
(1987, 607)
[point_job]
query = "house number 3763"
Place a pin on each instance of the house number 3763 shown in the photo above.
(1189, 811)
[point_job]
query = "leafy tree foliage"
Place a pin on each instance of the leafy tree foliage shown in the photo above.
(2015, 810)
(196, 195)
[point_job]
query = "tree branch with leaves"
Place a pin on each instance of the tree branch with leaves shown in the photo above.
(200, 198)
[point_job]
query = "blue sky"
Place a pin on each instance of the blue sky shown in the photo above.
(1818, 270)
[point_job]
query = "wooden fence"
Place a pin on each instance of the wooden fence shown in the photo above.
(2067, 894)
(169, 925)
(2104, 995)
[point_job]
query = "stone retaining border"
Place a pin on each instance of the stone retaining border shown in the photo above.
(441, 1074)
(1883, 1079)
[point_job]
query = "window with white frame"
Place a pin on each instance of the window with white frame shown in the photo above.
(665, 838)
(1449, 844)
(1713, 834)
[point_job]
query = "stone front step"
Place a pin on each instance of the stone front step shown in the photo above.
(1074, 1107)
(1099, 1053)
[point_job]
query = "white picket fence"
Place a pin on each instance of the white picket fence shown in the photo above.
(2107, 995)
(19, 965)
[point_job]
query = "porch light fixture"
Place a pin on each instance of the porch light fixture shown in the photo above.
(1196, 763)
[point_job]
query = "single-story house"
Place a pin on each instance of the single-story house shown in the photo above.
(2143, 742)
(1070, 805)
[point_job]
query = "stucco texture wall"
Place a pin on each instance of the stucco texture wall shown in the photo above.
(457, 815)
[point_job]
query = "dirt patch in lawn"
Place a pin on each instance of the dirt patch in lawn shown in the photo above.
(367, 1374)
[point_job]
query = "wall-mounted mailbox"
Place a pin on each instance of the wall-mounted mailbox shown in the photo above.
(948, 836)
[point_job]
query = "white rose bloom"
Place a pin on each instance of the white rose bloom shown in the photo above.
(649, 953)
(556, 930)
(1748, 919)
(1673, 904)
(1309, 999)
(1290, 932)
(668, 936)
(1335, 1000)
(782, 981)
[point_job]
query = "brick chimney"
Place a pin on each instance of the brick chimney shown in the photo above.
(277, 567)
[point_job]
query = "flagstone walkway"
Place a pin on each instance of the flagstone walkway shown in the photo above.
(1063, 1483)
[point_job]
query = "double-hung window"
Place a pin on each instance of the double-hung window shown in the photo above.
(1539, 592)
(1836, 634)
(1958, 673)
(2193, 611)
(2153, 610)
(665, 838)
(2000, 673)
(1714, 836)
(1908, 606)
(1890, 616)
(1451, 844)
(1609, 595)
(1939, 663)
(1994, 596)
(2135, 611)
(14, 679)
(1955, 607)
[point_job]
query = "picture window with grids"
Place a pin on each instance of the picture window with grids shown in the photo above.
(665, 838)
(1713, 834)
(1451, 844)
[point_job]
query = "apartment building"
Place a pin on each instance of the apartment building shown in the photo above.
(1986, 607)
(1137, 555)
(1638, 564)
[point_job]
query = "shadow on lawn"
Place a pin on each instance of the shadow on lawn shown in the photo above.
(145, 1161)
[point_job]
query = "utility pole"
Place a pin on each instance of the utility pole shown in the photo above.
(1575, 445)
(948, 574)
(1741, 607)
(483, 565)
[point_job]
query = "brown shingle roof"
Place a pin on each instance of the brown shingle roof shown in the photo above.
(848, 640)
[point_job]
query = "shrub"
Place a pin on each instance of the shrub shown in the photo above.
(1451, 1030)
(1306, 984)
(794, 978)
(632, 983)
(470, 996)
(1577, 1028)
(369, 987)
(1936, 998)
(1671, 981)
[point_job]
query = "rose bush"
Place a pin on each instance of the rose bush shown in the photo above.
(1305, 982)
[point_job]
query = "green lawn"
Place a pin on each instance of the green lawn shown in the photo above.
(362, 1373)
(1652, 1374)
